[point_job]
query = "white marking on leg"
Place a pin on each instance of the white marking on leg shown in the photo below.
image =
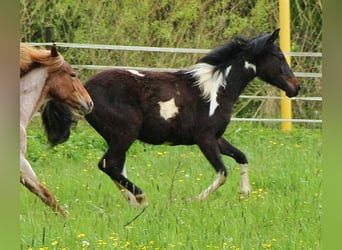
(245, 187)
(124, 171)
(219, 181)
(250, 66)
(168, 109)
(135, 72)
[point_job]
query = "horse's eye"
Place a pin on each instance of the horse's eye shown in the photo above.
(73, 75)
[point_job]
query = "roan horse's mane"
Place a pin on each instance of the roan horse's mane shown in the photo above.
(31, 57)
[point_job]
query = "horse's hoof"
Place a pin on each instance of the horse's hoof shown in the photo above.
(138, 200)
(245, 191)
(141, 200)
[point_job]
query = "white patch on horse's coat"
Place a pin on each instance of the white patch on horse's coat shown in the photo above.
(245, 187)
(219, 181)
(250, 66)
(168, 109)
(209, 82)
(135, 72)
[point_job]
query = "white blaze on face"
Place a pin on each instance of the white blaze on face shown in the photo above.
(135, 72)
(168, 109)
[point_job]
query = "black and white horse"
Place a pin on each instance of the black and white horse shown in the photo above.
(186, 107)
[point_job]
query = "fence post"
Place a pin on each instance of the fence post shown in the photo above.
(285, 45)
(49, 34)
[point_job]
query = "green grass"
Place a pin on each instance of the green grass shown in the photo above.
(282, 212)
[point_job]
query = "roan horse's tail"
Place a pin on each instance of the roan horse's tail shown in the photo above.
(57, 119)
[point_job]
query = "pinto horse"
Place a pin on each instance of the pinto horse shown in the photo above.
(186, 107)
(45, 75)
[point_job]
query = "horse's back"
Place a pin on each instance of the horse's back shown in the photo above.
(161, 105)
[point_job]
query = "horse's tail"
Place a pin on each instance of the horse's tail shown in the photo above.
(57, 120)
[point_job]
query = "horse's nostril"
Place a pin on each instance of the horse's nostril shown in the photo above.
(91, 105)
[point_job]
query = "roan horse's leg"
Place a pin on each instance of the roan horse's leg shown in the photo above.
(29, 179)
(227, 149)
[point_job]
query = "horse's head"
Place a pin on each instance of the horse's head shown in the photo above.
(271, 65)
(64, 86)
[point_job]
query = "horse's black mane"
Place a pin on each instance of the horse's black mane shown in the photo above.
(224, 55)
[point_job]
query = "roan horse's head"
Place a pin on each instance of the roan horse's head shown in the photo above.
(271, 65)
(64, 86)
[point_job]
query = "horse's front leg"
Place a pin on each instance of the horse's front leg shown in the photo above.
(29, 179)
(210, 149)
(113, 165)
(227, 149)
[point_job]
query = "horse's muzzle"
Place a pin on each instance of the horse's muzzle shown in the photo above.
(87, 107)
(294, 87)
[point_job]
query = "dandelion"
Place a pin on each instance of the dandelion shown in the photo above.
(81, 235)
(127, 243)
(267, 245)
(101, 242)
(54, 243)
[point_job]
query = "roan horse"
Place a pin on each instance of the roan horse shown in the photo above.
(185, 107)
(45, 75)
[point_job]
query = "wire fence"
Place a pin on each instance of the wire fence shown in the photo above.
(194, 51)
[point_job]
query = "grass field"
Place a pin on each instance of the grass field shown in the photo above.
(282, 212)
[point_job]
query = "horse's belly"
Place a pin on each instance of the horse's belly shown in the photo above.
(165, 133)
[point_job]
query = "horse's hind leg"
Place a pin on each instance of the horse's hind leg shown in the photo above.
(227, 149)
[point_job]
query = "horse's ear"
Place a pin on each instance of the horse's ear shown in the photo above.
(54, 52)
(274, 36)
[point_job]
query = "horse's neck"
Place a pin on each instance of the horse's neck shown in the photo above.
(31, 93)
(233, 86)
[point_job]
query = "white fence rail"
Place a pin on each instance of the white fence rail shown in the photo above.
(193, 51)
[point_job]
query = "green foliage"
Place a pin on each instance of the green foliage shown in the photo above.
(185, 24)
(283, 210)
